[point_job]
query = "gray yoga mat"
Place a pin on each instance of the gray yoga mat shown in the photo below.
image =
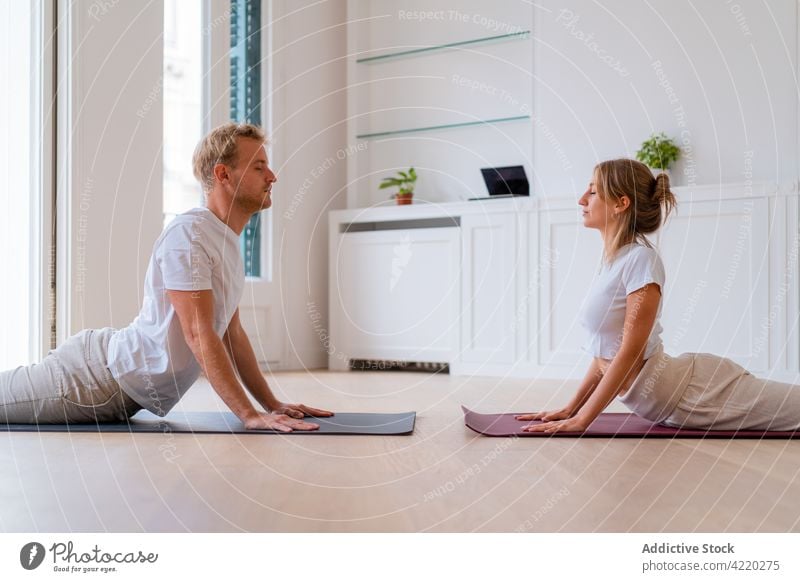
(353, 423)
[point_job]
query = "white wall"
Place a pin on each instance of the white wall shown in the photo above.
(109, 182)
(308, 109)
(471, 83)
(734, 74)
(720, 77)
(726, 85)
(110, 193)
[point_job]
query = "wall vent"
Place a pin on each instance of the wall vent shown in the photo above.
(398, 366)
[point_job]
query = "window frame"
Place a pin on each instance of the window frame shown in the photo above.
(216, 99)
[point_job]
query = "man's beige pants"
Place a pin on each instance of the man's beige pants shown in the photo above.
(72, 384)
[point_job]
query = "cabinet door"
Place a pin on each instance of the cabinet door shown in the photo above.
(716, 254)
(569, 257)
(488, 283)
(398, 294)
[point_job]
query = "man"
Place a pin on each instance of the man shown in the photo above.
(189, 319)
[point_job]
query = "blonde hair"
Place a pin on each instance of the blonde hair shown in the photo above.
(651, 201)
(220, 147)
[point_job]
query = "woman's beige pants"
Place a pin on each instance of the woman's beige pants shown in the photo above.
(697, 390)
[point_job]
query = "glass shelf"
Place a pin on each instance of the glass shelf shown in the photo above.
(501, 37)
(438, 127)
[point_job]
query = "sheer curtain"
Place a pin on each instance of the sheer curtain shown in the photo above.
(20, 179)
(182, 104)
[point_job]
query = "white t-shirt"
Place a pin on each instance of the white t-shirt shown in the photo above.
(150, 358)
(603, 313)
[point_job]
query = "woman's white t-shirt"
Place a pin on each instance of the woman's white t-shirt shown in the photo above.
(150, 358)
(603, 313)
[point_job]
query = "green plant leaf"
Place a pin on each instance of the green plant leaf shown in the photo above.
(389, 182)
(658, 151)
(405, 181)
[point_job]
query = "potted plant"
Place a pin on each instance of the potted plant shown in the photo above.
(404, 181)
(658, 152)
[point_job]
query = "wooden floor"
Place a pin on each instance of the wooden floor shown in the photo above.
(442, 478)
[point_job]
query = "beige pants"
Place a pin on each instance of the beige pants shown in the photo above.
(71, 385)
(698, 390)
(723, 395)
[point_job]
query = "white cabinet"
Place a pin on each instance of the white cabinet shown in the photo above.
(716, 255)
(501, 294)
(567, 260)
(395, 295)
(716, 296)
(488, 286)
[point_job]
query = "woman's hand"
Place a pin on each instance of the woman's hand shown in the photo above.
(575, 424)
(562, 414)
(298, 410)
(279, 422)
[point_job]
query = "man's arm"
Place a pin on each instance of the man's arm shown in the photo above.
(640, 316)
(244, 359)
(195, 310)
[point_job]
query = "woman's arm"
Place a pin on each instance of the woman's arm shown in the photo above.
(640, 316)
(590, 382)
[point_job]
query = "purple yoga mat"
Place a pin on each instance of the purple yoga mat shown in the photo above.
(609, 424)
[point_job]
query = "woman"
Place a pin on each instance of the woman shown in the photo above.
(625, 203)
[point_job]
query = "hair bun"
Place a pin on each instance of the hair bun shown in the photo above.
(661, 186)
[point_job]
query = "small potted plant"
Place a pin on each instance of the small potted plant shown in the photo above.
(658, 152)
(404, 181)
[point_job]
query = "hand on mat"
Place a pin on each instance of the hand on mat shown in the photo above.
(279, 422)
(299, 410)
(562, 414)
(568, 425)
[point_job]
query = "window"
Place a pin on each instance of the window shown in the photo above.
(184, 110)
(26, 286)
(183, 113)
(246, 102)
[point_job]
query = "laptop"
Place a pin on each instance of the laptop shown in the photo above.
(505, 182)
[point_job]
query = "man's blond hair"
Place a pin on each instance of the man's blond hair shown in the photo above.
(219, 147)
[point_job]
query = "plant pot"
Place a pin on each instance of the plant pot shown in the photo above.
(404, 198)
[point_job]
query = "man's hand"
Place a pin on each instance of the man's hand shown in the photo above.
(298, 410)
(279, 422)
(574, 424)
